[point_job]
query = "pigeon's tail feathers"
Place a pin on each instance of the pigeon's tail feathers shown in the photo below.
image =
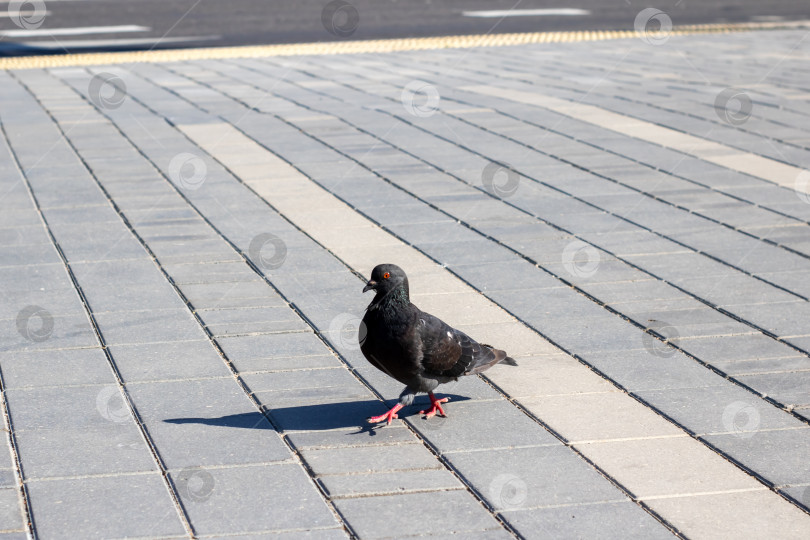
(497, 356)
(509, 361)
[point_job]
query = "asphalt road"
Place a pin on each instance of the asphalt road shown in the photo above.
(61, 26)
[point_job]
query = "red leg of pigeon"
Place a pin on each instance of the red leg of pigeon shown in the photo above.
(390, 415)
(437, 406)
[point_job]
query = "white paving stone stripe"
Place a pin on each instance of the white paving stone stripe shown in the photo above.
(291, 192)
(719, 154)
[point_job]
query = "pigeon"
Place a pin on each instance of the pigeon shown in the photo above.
(414, 347)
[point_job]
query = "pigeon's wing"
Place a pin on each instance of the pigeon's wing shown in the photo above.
(449, 352)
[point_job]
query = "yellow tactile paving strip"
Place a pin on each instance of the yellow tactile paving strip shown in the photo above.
(370, 46)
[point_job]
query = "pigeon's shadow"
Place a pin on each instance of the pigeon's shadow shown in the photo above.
(349, 414)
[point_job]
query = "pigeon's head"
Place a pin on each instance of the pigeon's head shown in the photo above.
(386, 278)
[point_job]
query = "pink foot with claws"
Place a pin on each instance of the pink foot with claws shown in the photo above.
(390, 415)
(437, 406)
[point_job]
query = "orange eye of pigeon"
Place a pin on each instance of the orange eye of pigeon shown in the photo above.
(386, 275)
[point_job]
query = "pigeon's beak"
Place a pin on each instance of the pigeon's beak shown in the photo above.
(370, 285)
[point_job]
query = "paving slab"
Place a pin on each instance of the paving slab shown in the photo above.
(246, 499)
(221, 220)
(113, 506)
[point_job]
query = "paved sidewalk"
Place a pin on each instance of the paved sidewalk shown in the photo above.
(182, 258)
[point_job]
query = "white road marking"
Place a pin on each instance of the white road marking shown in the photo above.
(10, 14)
(547, 12)
(89, 43)
(77, 31)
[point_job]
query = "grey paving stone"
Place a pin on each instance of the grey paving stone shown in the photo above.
(168, 360)
(352, 413)
(787, 388)
(477, 425)
(104, 507)
(231, 295)
(419, 513)
(780, 456)
(76, 407)
(799, 493)
(276, 399)
(736, 348)
(767, 365)
(97, 242)
(117, 447)
(719, 409)
(602, 520)
(206, 422)
(268, 346)
(310, 534)
(283, 363)
(210, 272)
(117, 296)
(535, 477)
(36, 277)
(339, 438)
(7, 476)
(35, 328)
(29, 254)
(140, 271)
(65, 302)
(246, 499)
(120, 328)
(10, 512)
(656, 368)
(366, 459)
(301, 379)
(258, 326)
(389, 483)
(803, 342)
(55, 367)
(24, 234)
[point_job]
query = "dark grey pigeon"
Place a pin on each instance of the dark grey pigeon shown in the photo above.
(414, 347)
